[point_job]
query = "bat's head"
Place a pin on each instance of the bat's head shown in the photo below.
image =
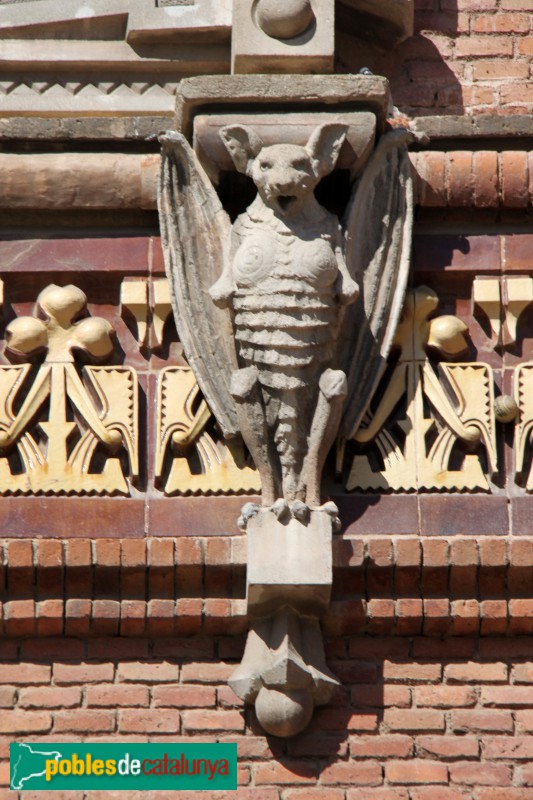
(285, 174)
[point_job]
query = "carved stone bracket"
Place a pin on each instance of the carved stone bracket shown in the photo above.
(71, 426)
(149, 304)
(293, 333)
(423, 415)
(283, 670)
(134, 299)
(503, 301)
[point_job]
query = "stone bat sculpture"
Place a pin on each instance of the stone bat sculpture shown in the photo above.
(286, 282)
(286, 318)
(269, 309)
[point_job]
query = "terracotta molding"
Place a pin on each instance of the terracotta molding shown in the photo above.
(455, 179)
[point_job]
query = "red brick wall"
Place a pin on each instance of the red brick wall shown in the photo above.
(418, 718)
(431, 638)
(467, 56)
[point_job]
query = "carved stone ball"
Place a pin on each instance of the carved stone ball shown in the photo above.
(505, 408)
(283, 713)
(62, 303)
(447, 334)
(284, 19)
(94, 335)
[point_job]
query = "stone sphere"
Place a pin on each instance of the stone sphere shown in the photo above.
(505, 408)
(284, 19)
(283, 714)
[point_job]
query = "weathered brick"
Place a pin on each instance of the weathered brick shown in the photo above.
(444, 696)
(183, 696)
(16, 722)
(510, 748)
(379, 696)
(440, 793)
(476, 672)
(83, 721)
(8, 696)
(505, 696)
(213, 721)
(383, 793)
(414, 719)
(476, 774)
(50, 697)
(206, 673)
(382, 746)
(524, 720)
(449, 746)
(353, 773)
(522, 673)
(83, 673)
(148, 721)
(286, 772)
(481, 720)
(319, 793)
(497, 46)
(151, 672)
(25, 673)
(411, 671)
(114, 695)
(416, 771)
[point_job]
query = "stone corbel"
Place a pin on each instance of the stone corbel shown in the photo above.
(134, 300)
(283, 670)
(503, 303)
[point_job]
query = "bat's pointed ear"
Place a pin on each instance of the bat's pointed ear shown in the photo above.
(324, 146)
(243, 145)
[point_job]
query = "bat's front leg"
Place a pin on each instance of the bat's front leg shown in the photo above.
(246, 391)
(223, 290)
(347, 288)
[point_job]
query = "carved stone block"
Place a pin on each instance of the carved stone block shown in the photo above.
(297, 128)
(288, 93)
(288, 36)
(289, 563)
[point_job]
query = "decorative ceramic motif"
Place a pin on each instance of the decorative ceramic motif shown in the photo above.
(423, 415)
(71, 426)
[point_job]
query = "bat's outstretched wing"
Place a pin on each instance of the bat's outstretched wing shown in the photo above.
(195, 231)
(378, 224)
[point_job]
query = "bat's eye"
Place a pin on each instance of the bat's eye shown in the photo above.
(300, 165)
(264, 166)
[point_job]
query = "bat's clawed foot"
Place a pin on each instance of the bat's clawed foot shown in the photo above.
(331, 509)
(301, 512)
(248, 511)
(281, 510)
